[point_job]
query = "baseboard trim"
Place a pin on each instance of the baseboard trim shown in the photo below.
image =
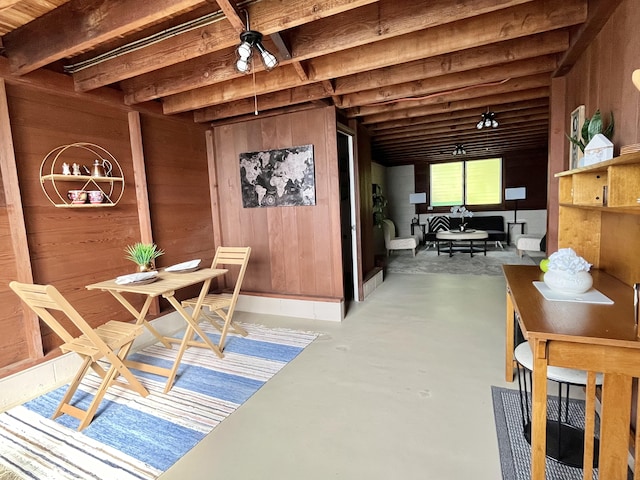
(292, 307)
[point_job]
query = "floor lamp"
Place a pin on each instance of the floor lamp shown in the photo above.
(417, 198)
(515, 193)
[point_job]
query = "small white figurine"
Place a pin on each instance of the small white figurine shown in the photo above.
(65, 169)
(76, 169)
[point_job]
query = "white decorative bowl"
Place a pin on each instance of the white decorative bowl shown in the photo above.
(567, 282)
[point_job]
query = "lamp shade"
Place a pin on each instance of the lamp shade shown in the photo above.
(515, 193)
(415, 198)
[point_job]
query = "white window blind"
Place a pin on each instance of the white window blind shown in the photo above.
(472, 182)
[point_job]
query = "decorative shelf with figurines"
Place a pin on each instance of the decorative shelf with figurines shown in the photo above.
(81, 175)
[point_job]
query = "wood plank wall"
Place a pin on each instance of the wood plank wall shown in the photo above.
(366, 200)
(178, 186)
(72, 248)
(601, 79)
(296, 251)
(13, 340)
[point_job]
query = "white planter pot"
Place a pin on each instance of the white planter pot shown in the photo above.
(569, 283)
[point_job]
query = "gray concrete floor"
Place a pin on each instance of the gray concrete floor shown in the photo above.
(399, 390)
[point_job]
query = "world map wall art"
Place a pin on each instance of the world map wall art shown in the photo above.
(278, 178)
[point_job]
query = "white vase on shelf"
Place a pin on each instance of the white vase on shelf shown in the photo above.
(567, 282)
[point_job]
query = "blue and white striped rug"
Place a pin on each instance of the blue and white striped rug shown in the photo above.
(139, 438)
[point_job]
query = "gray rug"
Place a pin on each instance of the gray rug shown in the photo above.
(427, 261)
(515, 451)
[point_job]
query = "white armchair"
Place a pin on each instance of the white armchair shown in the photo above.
(391, 242)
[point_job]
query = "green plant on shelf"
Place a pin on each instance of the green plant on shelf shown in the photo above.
(592, 127)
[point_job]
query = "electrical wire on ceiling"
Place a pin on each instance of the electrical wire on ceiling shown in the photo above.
(203, 21)
(456, 90)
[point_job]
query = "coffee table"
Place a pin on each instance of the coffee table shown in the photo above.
(462, 241)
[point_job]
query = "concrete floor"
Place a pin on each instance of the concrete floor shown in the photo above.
(399, 389)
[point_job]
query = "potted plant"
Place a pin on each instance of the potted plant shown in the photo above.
(592, 127)
(143, 255)
(379, 204)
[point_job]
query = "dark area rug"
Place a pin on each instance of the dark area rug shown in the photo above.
(428, 261)
(515, 451)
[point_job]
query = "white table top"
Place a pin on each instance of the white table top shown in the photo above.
(467, 235)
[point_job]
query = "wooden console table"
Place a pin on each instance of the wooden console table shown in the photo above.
(590, 337)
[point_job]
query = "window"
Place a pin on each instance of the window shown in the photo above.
(472, 182)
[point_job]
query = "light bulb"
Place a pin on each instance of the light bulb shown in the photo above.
(494, 123)
(480, 125)
(244, 50)
(243, 65)
(269, 60)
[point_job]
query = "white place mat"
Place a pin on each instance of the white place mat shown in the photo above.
(591, 296)
(135, 277)
(178, 267)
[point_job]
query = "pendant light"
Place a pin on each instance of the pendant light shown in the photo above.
(250, 39)
(488, 121)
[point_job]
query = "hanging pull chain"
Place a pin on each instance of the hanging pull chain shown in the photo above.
(255, 94)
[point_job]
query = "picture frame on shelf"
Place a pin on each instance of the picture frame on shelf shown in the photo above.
(576, 122)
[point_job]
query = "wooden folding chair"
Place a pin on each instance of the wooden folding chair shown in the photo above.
(223, 304)
(92, 345)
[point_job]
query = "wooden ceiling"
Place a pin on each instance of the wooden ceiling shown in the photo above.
(418, 74)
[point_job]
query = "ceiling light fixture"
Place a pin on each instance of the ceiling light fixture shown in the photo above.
(459, 150)
(249, 40)
(488, 121)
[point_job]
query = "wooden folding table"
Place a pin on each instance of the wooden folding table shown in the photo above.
(166, 286)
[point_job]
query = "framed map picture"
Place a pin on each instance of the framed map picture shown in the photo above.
(577, 120)
(278, 178)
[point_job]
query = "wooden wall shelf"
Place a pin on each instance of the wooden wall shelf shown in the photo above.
(598, 216)
(55, 184)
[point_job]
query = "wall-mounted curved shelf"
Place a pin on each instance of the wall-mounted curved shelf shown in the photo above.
(56, 184)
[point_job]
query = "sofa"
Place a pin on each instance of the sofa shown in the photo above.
(492, 224)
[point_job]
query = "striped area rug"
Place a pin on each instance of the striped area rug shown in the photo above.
(139, 438)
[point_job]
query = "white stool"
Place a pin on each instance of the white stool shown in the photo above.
(565, 442)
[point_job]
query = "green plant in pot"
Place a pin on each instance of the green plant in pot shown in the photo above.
(379, 204)
(143, 255)
(592, 127)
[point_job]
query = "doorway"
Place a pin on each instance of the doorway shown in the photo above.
(348, 223)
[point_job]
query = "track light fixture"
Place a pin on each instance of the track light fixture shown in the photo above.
(488, 121)
(249, 40)
(459, 150)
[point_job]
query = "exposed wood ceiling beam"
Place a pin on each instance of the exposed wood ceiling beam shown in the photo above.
(471, 115)
(493, 100)
(80, 25)
(266, 17)
(461, 126)
(470, 143)
(471, 131)
(316, 44)
(481, 91)
(515, 21)
(510, 23)
(270, 101)
(452, 82)
(599, 12)
(230, 12)
(484, 56)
